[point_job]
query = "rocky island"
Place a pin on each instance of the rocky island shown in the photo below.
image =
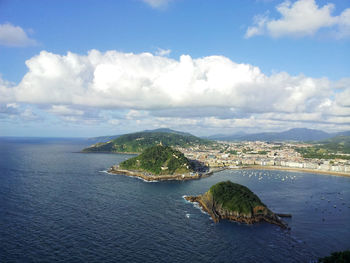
(227, 200)
(160, 162)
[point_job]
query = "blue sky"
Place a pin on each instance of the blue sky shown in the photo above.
(200, 66)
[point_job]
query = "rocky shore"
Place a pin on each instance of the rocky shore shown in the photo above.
(259, 213)
(115, 169)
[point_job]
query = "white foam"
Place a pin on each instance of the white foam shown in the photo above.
(196, 205)
(184, 197)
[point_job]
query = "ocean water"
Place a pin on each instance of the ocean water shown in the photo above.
(58, 205)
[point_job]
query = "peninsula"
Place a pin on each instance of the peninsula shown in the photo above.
(139, 141)
(160, 162)
(227, 200)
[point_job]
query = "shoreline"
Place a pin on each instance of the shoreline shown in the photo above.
(291, 169)
(131, 153)
(152, 178)
(217, 217)
(196, 176)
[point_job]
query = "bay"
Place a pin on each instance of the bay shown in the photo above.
(57, 204)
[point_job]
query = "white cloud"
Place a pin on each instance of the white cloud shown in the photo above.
(136, 114)
(14, 36)
(64, 110)
(302, 18)
(144, 81)
(6, 91)
(157, 3)
(344, 24)
(155, 91)
(163, 52)
(28, 114)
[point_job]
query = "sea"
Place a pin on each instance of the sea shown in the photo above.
(60, 205)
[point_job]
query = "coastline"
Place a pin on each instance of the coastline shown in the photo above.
(195, 176)
(291, 169)
(217, 216)
(151, 177)
(136, 153)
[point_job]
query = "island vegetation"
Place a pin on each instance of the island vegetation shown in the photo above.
(137, 142)
(159, 160)
(158, 163)
(228, 200)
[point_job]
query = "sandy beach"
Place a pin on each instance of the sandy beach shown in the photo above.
(315, 171)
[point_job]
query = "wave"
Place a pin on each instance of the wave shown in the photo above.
(195, 204)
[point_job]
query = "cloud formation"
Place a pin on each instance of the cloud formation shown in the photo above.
(302, 18)
(157, 91)
(145, 81)
(14, 36)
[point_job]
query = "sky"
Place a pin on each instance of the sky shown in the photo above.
(88, 68)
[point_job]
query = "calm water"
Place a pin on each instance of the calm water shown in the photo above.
(57, 205)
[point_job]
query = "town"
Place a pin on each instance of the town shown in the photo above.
(258, 154)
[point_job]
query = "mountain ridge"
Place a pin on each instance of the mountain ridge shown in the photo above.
(295, 134)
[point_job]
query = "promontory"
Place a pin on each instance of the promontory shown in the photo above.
(159, 163)
(228, 200)
(139, 141)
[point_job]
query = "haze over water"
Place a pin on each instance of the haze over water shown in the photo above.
(58, 205)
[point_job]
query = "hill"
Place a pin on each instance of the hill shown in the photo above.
(139, 141)
(297, 134)
(167, 130)
(339, 143)
(101, 139)
(337, 147)
(159, 160)
(227, 200)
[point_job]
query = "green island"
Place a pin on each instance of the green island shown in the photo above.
(139, 141)
(159, 160)
(235, 202)
(161, 163)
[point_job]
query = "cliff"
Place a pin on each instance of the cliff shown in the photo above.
(227, 200)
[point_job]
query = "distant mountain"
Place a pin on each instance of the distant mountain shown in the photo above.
(345, 133)
(225, 137)
(139, 141)
(297, 134)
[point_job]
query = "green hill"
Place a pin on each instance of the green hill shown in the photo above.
(332, 148)
(139, 141)
(159, 160)
(235, 197)
(339, 143)
(227, 200)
